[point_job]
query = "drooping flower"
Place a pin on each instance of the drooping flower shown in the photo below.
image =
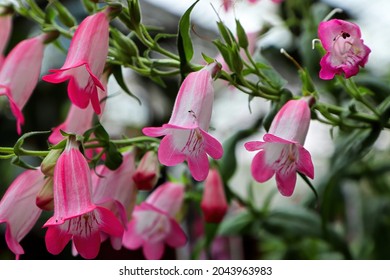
(186, 136)
(153, 224)
(85, 62)
(345, 50)
(147, 173)
(282, 152)
(5, 31)
(214, 205)
(18, 209)
(76, 217)
(78, 120)
(19, 74)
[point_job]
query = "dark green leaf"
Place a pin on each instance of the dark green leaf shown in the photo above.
(242, 38)
(117, 71)
(236, 224)
(113, 157)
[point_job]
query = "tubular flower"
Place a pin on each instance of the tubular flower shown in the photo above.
(75, 216)
(147, 172)
(214, 205)
(186, 136)
(5, 31)
(152, 225)
(345, 50)
(282, 152)
(18, 209)
(85, 62)
(19, 74)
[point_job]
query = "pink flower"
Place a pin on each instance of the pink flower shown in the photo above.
(214, 205)
(186, 136)
(147, 172)
(282, 152)
(78, 120)
(18, 209)
(85, 62)
(19, 74)
(152, 225)
(75, 216)
(5, 31)
(345, 50)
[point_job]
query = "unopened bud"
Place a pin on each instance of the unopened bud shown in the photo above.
(147, 173)
(48, 164)
(45, 198)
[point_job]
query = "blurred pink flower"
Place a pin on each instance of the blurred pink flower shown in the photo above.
(186, 136)
(345, 50)
(5, 32)
(282, 152)
(75, 216)
(85, 62)
(18, 209)
(153, 224)
(147, 173)
(19, 74)
(214, 205)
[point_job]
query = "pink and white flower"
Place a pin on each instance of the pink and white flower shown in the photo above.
(18, 209)
(282, 152)
(76, 217)
(5, 32)
(19, 74)
(186, 136)
(345, 50)
(153, 224)
(85, 62)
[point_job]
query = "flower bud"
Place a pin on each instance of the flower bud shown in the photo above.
(49, 162)
(214, 205)
(45, 197)
(147, 172)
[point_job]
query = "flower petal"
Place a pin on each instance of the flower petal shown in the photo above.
(176, 237)
(199, 166)
(261, 171)
(153, 251)
(108, 222)
(286, 182)
(211, 145)
(254, 145)
(131, 239)
(88, 247)
(305, 164)
(56, 239)
(168, 154)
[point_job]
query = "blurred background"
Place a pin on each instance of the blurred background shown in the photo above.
(351, 217)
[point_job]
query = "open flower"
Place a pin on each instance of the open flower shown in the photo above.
(282, 152)
(19, 74)
(18, 209)
(85, 62)
(75, 216)
(186, 136)
(345, 50)
(153, 224)
(5, 31)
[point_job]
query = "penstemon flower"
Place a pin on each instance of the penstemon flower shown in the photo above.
(85, 62)
(345, 50)
(186, 136)
(18, 209)
(76, 217)
(153, 224)
(148, 171)
(19, 74)
(282, 152)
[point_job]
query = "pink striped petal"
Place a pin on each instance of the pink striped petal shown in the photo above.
(261, 171)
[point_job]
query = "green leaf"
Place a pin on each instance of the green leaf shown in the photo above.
(117, 71)
(19, 162)
(226, 34)
(242, 38)
(184, 43)
(64, 15)
(113, 157)
(101, 133)
(236, 224)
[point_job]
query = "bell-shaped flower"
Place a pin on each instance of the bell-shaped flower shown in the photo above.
(214, 205)
(78, 120)
(75, 216)
(19, 74)
(147, 173)
(85, 62)
(186, 136)
(18, 209)
(153, 224)
(345, 50)
(282, 152)
(5, 31)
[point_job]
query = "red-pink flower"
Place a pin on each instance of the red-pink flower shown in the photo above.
(18, 209)
(214, 205)
(282, 152)
(19, 74)
(153, 224)
(147, 173)
(85, 62)
(345, 50)
(5, 31)
(186, 136)
(75, 216)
